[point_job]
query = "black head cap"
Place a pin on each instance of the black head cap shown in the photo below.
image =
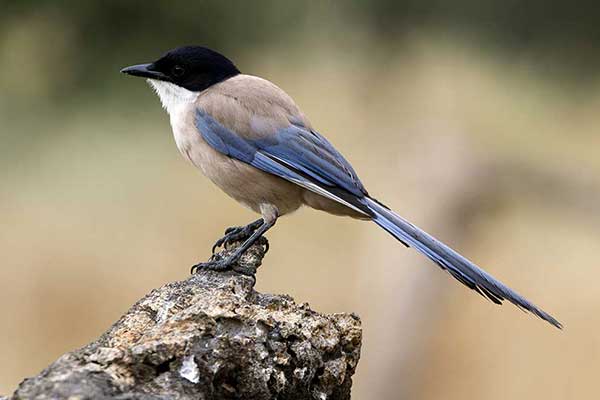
(192, 67)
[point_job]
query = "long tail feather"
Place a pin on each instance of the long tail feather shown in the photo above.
(458, 266)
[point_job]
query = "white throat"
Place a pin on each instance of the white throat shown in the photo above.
(171, 96)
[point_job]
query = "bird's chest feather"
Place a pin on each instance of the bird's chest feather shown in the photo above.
(224, 171)
(179, 103)
(192, 145)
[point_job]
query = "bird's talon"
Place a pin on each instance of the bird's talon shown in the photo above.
(231, 229)
(217, 244)
(262, 241)
(230, 233)
(194, 269)
(236, 233)
(214, 264)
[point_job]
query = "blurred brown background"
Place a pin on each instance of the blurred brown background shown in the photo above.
(477, 120)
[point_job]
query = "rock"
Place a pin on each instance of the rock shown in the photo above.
(211, 336)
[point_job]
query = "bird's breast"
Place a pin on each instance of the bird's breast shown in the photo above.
(246, 184)
(190, 143)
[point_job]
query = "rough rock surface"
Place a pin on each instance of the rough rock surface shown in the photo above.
(210, 337)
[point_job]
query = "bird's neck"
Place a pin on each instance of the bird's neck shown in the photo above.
(172, 97)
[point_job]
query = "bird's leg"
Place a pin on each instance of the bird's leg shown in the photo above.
(237, 233)
(221, 264)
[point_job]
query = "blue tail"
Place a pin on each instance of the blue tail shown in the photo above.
(458, 266)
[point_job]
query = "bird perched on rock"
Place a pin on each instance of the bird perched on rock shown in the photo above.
(250, 138)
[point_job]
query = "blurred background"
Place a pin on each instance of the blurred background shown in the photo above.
(477, 120)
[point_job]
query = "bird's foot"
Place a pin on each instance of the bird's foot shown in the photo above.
(245, 263)
(237, 234)
(216, 263)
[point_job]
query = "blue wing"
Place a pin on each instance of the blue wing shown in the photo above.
(294, 153)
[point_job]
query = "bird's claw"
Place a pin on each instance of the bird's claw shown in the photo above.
(231, 234)
(263, 242)
(232, 229)
(215, 263)
(236, 234)
(229, 258)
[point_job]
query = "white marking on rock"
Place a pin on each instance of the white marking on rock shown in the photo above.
(163, 312)
(321, 396)
(189, 370)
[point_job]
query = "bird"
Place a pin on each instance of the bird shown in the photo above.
(250, 139)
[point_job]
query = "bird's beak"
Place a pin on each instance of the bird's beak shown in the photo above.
(145, 71)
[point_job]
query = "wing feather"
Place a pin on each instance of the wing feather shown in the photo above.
(293, 153)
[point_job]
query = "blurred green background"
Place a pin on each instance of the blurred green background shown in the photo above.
(477, 120)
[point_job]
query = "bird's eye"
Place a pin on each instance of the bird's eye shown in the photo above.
(178, 71)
